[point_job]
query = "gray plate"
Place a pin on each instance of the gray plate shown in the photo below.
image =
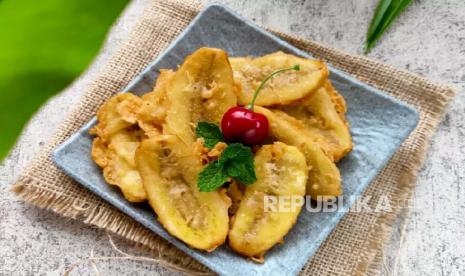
(379, 125)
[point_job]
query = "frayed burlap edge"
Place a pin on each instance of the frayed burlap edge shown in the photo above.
(105, 216)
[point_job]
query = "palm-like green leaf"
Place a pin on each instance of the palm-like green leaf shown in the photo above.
(386, 12)
(378, 16)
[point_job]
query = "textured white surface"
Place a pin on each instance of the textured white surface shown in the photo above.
(428, 39)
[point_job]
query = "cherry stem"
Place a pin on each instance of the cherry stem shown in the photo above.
(252, 103)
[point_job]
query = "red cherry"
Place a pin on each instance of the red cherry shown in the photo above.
(243, 125)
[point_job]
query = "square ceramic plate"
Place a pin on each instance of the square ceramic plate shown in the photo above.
(379, 124)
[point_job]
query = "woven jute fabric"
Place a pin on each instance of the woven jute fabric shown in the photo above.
(352, 246)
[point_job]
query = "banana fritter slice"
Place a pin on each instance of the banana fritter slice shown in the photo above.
(117, 113)
(115, 145)
(235, 192)
(116, 158)
(169, 169)
(121, 169)
(319, 114)
(283, 88)
(202, 89)
(338, 100)
(324, 179)
(281, 175)
(152, 112)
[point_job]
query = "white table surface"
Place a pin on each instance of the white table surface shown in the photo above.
(429, 39)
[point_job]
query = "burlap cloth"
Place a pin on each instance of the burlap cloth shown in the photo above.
(352, 246)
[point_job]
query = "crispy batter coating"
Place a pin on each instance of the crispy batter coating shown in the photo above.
(152, 112)
(281, 176)
(283, 88)
(117, 113)
(201, 90)
(323, 114)
(169, 170)
(115, 145)
(324, 179)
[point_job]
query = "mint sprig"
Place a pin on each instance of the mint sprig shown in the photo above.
(210, 133)
(212, 177)
(236, 161)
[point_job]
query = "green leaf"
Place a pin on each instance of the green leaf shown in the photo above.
(242, 172)
(210, 132)
(236, 162)
(382, 20)
(44, 45)
(239, 163)
(235, 151)
(381, 9)
(212, 177)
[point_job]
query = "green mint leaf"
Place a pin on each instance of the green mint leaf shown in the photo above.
(236, 151)
(212, 177)
(238, 163)
(242, 172)
(210, 132)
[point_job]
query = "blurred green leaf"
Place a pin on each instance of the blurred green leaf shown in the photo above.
(44, 45)
(386, 12)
